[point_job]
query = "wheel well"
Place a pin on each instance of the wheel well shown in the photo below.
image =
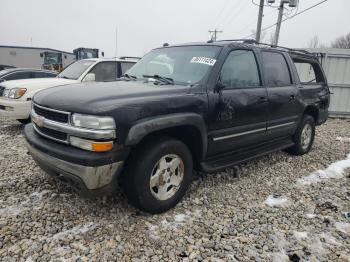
(189, 135)
(312, 111)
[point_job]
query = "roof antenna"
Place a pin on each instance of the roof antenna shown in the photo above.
(165, 44)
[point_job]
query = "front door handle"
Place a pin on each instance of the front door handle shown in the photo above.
(262, 99)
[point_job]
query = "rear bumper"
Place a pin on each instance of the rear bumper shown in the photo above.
(14, 109)
(89, 173)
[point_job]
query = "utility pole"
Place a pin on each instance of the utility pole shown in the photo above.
(116, 41)
(258, 27)
(279, 21)
(214, 34)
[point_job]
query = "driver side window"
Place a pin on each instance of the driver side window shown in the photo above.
(240, 70)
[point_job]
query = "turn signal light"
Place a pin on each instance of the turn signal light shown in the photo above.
(102, 147)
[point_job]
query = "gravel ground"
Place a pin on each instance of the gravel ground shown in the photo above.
(264, 210)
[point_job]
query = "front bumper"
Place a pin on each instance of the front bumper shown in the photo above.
(90, 173)
(12, 109)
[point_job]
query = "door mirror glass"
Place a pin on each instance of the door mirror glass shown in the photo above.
(90, 77)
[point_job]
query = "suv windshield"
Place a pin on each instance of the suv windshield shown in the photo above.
(185, 64)
(75, 70)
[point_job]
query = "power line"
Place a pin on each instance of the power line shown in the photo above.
(303, 11)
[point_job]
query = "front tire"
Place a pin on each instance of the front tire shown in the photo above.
(158, 174)
(304, 136)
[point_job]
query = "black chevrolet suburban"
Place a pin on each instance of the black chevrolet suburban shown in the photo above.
(203, 106)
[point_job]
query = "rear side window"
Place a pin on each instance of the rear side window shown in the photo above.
(18, 75)
(105, 71)
(240, 70)
(276, 69)
(309, 72)
(43, 74)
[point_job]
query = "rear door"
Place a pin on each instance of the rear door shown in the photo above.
(239, 110)
(284, 106)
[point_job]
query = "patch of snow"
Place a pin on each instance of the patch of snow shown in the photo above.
(40, 195)
(273, 201)
(11, 210)
(335, 170)
(172, 223)
(77, 230)
(280, 257)
(342, 227)
(310, 216)
(300, 235)
(329, 239)
(343, 139)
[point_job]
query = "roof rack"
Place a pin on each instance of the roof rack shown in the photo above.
(253, 41)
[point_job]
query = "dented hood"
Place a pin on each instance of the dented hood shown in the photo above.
(104, 97)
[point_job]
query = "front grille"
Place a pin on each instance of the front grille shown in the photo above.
(52, 133)
(51, 115)
(2, 89)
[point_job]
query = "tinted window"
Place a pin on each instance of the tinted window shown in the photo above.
(18, 75)
(126, 66)
(276, 69)
(43, 74)
(105, 71)
(240, 70)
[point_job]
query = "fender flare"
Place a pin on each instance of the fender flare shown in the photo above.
(144, 127)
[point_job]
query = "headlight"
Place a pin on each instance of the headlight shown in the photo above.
(93, 122)
(14, 93)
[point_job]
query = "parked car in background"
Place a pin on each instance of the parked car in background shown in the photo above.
(16, 95)
(25, 73)
(206, 106)
(3, 67)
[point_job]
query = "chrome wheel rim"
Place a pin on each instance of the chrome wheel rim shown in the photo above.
(306, 135)
(167, 176)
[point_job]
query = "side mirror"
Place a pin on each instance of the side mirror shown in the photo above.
(218, 87)
(103, 54)
(41, 54)
(90, 77)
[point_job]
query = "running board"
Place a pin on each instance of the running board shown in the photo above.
(233, 158)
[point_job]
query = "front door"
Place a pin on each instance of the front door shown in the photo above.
(239, 110)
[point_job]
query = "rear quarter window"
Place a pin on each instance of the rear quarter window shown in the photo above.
(309, 72)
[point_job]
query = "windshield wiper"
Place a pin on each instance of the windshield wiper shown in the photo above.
(129, 76)
(166, 80)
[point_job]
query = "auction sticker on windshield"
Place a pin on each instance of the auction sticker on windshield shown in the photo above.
(203, 60)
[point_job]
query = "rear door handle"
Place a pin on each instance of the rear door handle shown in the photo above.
(262, 99)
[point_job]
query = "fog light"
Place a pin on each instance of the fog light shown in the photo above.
(91, 145)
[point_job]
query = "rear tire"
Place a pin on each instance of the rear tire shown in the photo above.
(24, 121)
(303, 137)
(158, 174)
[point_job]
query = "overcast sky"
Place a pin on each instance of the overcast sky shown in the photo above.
(146, 24)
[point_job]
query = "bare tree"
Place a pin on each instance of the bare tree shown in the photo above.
(342, 42)
(314, 42)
